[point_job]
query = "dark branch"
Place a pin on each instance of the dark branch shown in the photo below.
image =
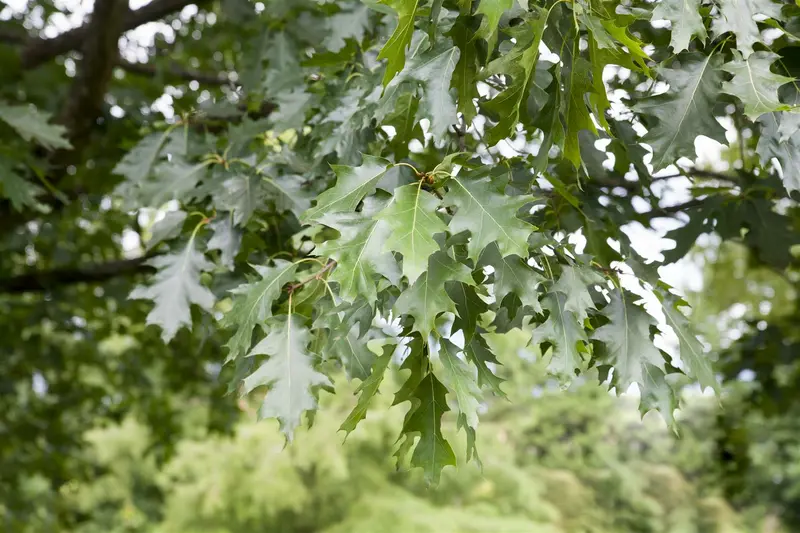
(671, 210)
(52, 279)
(173, 71)
(40, 51)
(100, 53)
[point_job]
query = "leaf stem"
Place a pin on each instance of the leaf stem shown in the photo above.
(412, 167)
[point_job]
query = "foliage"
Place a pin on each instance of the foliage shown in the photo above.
(431, 178)
(576, 478)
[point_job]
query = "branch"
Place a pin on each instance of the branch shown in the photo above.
(96, 273)
(40, 51)
(700, 173)
(100, 53)
(671, 210)
(174, 71)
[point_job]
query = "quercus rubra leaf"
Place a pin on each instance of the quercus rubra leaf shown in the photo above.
(174, 288)
(368, 389)
(432, 451)
(412, 217)
(686, 110)
(489, 216)
(692, 354)
(288, 373)
(686, 21)
(574, 283)
(427, 298)
(253, 304)
(513, 275)
(491, 10)
(433, 71)
(395, 48)
(352, 184)
(359, 251)
(785, 150)
(738, 16)
(755, 84)
(627, 338)
(564, 333)
(34, 125)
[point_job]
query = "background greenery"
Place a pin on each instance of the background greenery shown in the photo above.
(106, 428)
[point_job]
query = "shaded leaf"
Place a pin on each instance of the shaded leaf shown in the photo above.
(427, 298)
(34, 125)
(564, 333)
(352, 184)
(252, 304)
(289, 373)
(174, 288)
(685, 111)
(489, 216)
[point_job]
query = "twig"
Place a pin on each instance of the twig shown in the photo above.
(317, 276)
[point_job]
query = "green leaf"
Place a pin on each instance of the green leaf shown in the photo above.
(395, 48)
(687, 23)
(412, 217)
(227, 238)
(405, 124)
(432, 452)
(352, 184)
(627, 338)
(685, 111)
(513, 275)
(242, 195)
(491, 10)
(291, 113)
(755, 84)
(138, 163)
(737, 16)
(172, 180)
(459, 379)
(427, 298)
(174, 288)
(167, 228)
(368, 389)
(578, 83)
(574, 283)
(657, 393)
(469, 307)
(21, 192)
(359, 251)
(34, 125)
(489, 216)
(354, 354)
(346, 25)
(520, 65)
(433, 71)
(564, 332)
(479, 354)
(289, 373)
(466, 72)
(697, 363)
(786, 151)
(253, 304)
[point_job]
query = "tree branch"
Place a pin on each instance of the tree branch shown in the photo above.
(49, 279)
(40, 51)
(100, 53)
(173, 71)
(671, 210)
